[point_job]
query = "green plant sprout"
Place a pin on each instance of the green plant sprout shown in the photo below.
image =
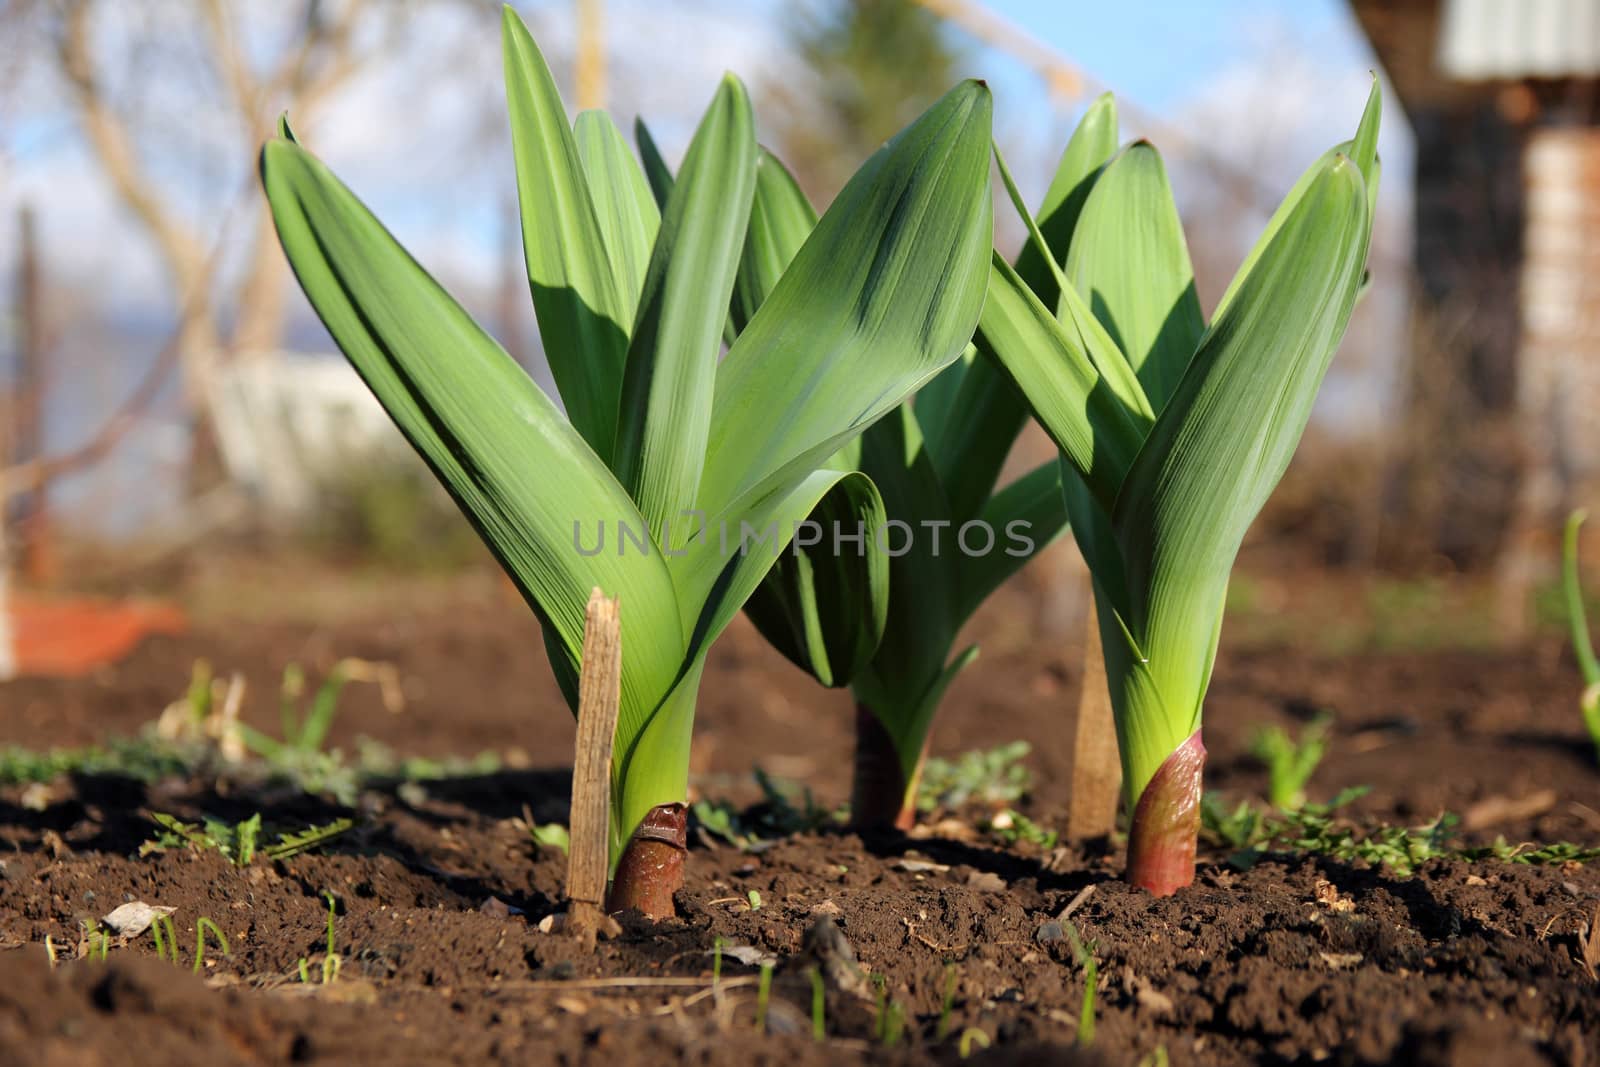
(1317, 829)
(166, 946)
(972, 1037)
(238, 842)
(1291, 763)
(1083, 952)
(331, 963)
(716, 963)
(551, 835)
(201, 925)
(995, 777)
(819, 1005)
(671, 449)
(1577, 619)
(1173, 433)
(763, 994)
(754, 898)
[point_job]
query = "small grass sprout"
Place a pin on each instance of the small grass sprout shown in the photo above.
(972, 1037)
(238, 842)
(1084, 953)
(754, 897)
(763, 995)
(1577, 619)
(1290, 762)
(201, 925)
(819, 1005)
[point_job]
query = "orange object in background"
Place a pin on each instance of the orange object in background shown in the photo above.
(68, 637)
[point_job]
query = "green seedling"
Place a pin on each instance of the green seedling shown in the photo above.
(1173, 432)
(754, 898)
(331, 963)
(666, 455)
(1291, 763)
(238, 842)
(1577, 619)
(763, 994)
(716, 964)
(200, 927)
(1317, 829)
(1084, 953)
(1011, 826)
(551, 835)
(165, 935)
(972, 1037)
(993, 777)
(819, 1005)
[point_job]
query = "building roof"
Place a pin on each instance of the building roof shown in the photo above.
(1488, 39)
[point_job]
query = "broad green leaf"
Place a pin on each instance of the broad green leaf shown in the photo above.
(627, 213)
(1072, 401)
(1130, 263)
(1026, 516)
(583, 318)
(672, 360)
(1093, 142)
(920, 543)
(881, 297)
(1224, 440)
(970, 445)
(520, 472)
(823, 604)
(781, 218)
(1366, 134)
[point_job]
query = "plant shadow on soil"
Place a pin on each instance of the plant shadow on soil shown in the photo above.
(439, 888)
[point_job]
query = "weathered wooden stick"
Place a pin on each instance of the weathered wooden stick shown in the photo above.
(589, 827)
(1096, 768)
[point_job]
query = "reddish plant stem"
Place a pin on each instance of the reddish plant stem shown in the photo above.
(651, 868)
(1166, 822)
(880, 796)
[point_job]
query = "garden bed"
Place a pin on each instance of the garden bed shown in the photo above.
(440, 888)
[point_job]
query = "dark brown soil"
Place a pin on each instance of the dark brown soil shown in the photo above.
(438, 896)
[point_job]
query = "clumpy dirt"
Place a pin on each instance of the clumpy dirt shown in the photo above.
(439, 892)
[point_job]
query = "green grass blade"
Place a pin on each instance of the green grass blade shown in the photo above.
(623, 203)
(1130, 263)
(1224, 440)
(518, 469)
(583, 318)
(672, 361)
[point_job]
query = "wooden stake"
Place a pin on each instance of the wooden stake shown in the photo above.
(1096, 768)
(589, 827)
